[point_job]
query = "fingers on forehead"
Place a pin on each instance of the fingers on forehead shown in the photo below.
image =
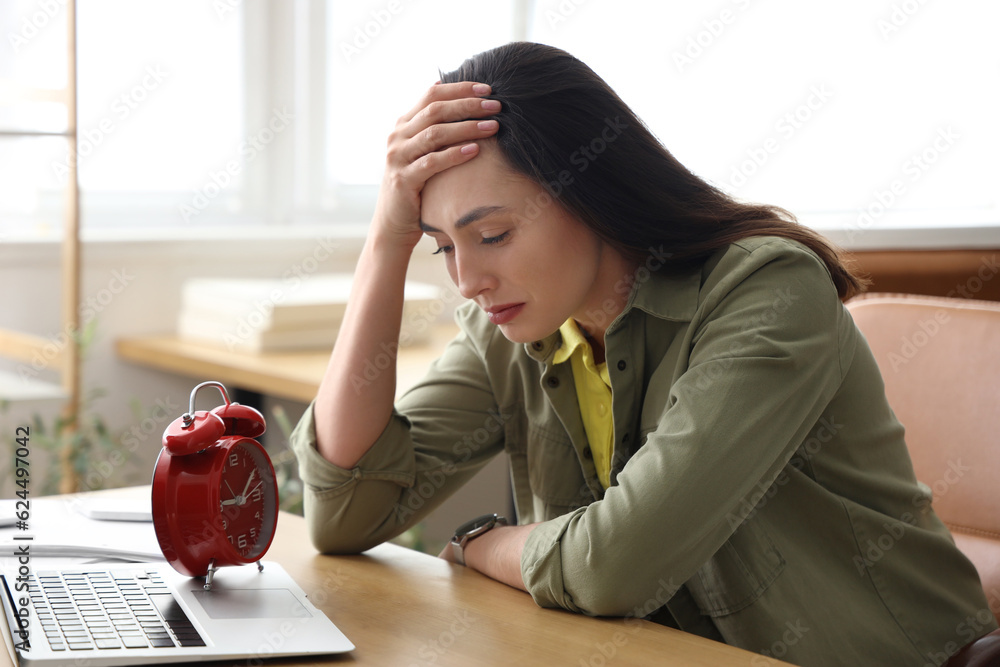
(445, 91)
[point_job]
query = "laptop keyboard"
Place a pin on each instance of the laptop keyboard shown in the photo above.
(106, 610)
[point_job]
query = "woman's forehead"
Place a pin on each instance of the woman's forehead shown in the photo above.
(485, 181)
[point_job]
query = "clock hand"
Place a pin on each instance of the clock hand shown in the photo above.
(243, 496)
(253, 489)
(235, 500)
(235, 497)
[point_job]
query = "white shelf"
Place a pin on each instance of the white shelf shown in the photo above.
(16, 389)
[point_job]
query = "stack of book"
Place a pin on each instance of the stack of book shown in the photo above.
(260, 315)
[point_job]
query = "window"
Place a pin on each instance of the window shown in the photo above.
(161, 89)
(381, 62)
(194, 114)
(160, 107)
(828, 110)
(380, 58)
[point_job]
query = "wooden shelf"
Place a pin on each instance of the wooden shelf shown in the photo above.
(12, 93)
(25, 347)
(970, 274)
(290, 375)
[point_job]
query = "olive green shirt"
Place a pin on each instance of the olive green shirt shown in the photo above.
(762, 494)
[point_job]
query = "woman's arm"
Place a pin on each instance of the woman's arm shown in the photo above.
(441, 433)
(497, 554)
(351, 410)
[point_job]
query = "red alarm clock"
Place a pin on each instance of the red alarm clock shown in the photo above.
(215, 500)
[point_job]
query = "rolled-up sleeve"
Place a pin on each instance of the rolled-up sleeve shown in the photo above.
(762, 362)
(421, 457)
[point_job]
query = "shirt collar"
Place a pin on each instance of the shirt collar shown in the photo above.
(665, 296)
(572, 338)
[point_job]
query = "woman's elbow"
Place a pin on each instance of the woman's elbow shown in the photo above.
(347, 522)
(338, 542)
(610, 596)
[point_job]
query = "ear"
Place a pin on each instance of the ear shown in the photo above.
(241, 420)
(187, 436)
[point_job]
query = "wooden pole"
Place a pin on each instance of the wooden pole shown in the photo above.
(71, 271)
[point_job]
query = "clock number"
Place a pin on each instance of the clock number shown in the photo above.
(242, 541)
(258, 495)
(233, 460)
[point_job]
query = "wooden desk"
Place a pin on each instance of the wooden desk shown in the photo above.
(401, 607)
(290, 375)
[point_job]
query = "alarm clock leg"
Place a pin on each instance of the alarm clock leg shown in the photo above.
(260, 566)
(210, 575)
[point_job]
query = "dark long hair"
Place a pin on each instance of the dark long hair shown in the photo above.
(562, 126)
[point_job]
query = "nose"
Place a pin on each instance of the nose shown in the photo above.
(472, 275)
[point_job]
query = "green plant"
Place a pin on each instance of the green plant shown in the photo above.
(81, 453)
(286, 466)
(74, 440)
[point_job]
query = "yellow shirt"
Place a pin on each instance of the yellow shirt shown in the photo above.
(593, 393)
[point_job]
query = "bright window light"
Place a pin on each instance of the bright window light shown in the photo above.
(381, 61)
(885, 109)
(815, 107)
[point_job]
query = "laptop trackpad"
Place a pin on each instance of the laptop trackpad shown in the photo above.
(250, 603)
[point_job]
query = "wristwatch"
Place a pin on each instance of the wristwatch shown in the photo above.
(471, 530)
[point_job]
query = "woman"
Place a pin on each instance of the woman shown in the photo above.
(697, 432)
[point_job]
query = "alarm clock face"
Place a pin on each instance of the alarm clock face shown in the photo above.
(248, 499)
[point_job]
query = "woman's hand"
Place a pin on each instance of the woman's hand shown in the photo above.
(352, 407)
(438, 133)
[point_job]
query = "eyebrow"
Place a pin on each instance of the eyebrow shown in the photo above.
(475, 214)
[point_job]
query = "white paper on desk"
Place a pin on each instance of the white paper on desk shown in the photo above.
(57, 529)
(113, 509)
(8, 511)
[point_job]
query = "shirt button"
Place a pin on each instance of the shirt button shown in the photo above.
(537, 346)
(552, 381)
(587, 454)
(621, 365)
(602, 409)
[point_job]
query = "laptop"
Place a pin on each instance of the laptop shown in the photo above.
(138, 614)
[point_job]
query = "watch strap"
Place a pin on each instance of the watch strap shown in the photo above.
(471, 530)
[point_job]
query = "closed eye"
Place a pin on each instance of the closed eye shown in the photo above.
(499, 238)
(487, 240)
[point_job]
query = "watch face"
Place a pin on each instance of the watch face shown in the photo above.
(475, 525)
(248, 499)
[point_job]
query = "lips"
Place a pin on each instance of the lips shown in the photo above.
(504, 313)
